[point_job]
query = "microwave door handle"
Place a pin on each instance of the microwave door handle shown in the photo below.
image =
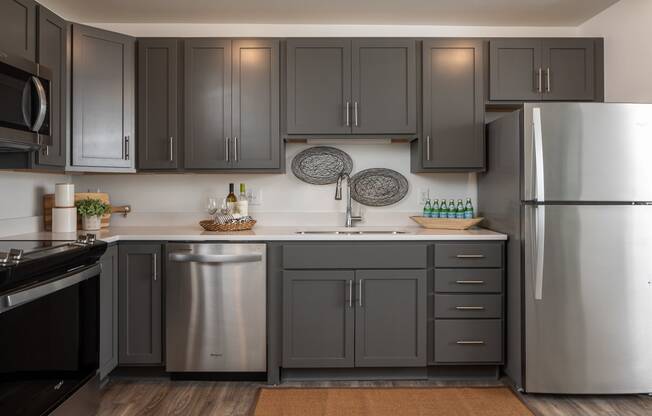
(42, 106)
(214, 258)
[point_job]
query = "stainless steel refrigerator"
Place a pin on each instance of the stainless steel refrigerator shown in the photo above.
(571, 183)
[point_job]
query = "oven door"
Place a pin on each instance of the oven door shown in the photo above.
(49, 342)
(24, 104)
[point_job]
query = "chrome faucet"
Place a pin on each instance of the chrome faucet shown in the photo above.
(338, 196)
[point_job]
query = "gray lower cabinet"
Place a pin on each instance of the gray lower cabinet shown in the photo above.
(53, 52)
(318, 319)
(390, 318)
(109, 311)
(18, 28)
(158, 132)
(453, 107)
(103, 99)
(140, 304)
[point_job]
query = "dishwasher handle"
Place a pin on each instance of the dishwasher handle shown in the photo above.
(215, 258)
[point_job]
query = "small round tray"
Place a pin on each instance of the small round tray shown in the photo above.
(321, 165)
(210, 225)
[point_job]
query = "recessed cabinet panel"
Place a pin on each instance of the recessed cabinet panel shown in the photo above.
(109, 311)
(514, 69)
(18, 28)
(569, 69)
(207, 84)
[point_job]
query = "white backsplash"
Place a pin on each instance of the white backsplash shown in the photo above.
(180, 199)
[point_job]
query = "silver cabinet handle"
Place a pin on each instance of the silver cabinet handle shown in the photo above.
(539, 80)
(348, 118)
(235, 148)
(470, 256)
(462, 342)
(469, 308)
(427, 147)
(214, 258)
(469, 282)
(29, 295)
(171, 140)
(360, 294)
(350, 293)
(548, 79)
(126, 143)
(227, 148)
(154, 265)
(42, 104)
(355, 113)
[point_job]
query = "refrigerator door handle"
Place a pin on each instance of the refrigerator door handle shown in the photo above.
(539, 179)
(539, 237)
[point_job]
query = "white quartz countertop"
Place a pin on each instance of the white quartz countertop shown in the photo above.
(262, 233)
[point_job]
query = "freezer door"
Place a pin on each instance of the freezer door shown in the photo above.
(588, 151)
(591, 330)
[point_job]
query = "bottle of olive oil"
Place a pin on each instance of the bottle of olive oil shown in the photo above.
(231, 200)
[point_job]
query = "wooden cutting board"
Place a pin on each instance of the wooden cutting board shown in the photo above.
(48, 204)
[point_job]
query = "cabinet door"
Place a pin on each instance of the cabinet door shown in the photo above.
(140, 304)
(384, 86)
(256, 133)
(109, 311)
(18, 28)
(569, 69)
(53, 52)
(207, 103)
(319, 86)
(103, 99)
(390, 318)
(318, 319)
(158, 136)
(453, 104)
(514, 69)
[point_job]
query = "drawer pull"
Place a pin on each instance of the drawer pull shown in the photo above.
(470, 256)
(469, 282)
(470, 342)
(470, 308)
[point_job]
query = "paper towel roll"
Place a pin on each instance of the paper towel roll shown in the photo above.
(64, 195)
(64, 220)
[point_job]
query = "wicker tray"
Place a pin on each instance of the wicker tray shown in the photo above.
(446, 223)
(210, 225)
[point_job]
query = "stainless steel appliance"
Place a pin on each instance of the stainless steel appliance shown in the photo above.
(24, 104)
(571, 183)
(49, 314)
(216, 308)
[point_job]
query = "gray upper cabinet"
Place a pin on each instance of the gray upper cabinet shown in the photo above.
(207, 103)
(543, 69)
(255, 109)
(318, 86)
(18, 28)
(53, 52)
(383, 86)
(318, 319)
(569, 69)
(453, 106)
(158, 135)
(391, 318)
(109, 311)
(140, 297)
(103, 99)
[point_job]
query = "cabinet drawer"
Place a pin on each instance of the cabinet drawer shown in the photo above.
(469, 280)
(468, 306)
(468, 341)
(355, 256)
(468, 255)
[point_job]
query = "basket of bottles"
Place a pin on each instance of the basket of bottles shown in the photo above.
(448, 215)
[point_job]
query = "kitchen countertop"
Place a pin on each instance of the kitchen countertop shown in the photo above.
(262, 233)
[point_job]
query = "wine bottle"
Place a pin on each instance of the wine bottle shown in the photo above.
(231, 200)
(243, 202)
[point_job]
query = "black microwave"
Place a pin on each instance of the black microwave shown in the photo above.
(24, 104)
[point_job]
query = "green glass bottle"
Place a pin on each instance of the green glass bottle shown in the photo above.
(435, 209)
(459, 214)
(468, 209)
(452, 212)
(427, 208)
(443, 209)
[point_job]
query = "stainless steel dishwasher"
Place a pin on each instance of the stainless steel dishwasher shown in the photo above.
(216, 308)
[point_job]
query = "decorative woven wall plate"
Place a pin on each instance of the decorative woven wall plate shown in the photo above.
(378, 187)
(321, 165)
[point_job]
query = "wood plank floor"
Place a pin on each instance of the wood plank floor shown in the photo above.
(158, 396)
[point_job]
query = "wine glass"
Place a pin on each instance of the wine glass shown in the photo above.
(211, 206)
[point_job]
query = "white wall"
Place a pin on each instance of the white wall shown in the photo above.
(21, 200)
(627, 29)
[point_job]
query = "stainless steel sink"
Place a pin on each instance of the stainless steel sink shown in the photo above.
(352, 232)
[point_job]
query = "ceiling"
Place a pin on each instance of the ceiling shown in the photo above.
(395, 12)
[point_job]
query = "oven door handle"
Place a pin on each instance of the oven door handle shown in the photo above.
(13, 300)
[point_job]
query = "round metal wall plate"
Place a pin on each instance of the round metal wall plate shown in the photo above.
(321, 165)
(378, 187)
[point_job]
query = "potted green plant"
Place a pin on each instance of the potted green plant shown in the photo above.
(91, 211)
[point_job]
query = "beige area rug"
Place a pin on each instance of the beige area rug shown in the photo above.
(446, 401)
